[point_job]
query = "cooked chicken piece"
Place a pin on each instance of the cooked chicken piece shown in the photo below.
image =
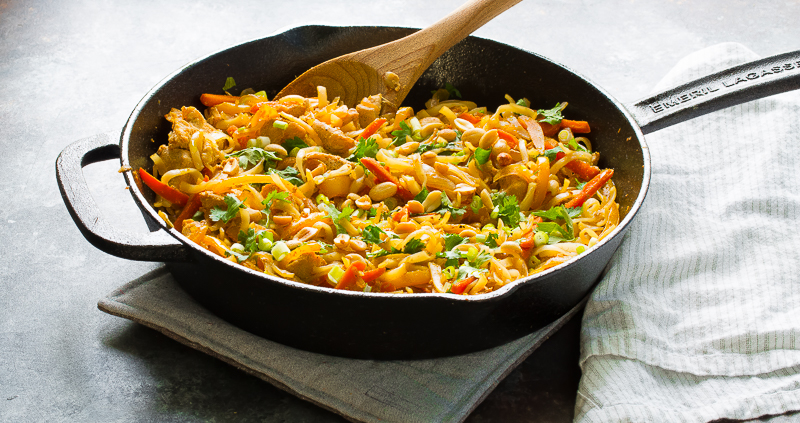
(277, 135)
(174, 158)
(303, 267)
(294, 109)
(352, 116)
(185, 123)
(333, 139)
(331, 162)
(369, 109)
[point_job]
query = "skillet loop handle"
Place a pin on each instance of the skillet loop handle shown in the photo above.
(737, 85)
(153, 246)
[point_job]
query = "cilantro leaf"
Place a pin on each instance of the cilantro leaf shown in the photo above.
(293, 143)
(560, 213)
(551, 153)
(491, 240)
(422, 195)
(401, 134)
(253, 155)
(552, 116)
(414, 245)
(372, 234)
(447, 205)
(466, 271)
(239, 257)
(452, 257)
(231, 211)
(482, 155)
(580, 185)
(452, 90)
(229, 83)
(337, 216)
(506, 208)
(476, 204)
(453, 240)
(290, 174)
(552, 227)
(364, 148)
(249, 239)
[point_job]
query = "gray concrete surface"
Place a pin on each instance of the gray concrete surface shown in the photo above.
(70, 69)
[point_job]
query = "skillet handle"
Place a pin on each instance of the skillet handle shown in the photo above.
(153, 246)
(737, 85)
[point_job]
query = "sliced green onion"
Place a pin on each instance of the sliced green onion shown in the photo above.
(294, 151)
(261, 94)
(238, 248)
(280, 124)
(480, 238)
(198, 216)
(488, 227)
(252, 143)
(280, 250)
(335, 274)
(580, 249)
(472, 253)
(565, 136)
(540, 238)
(321, 198)
(367, 288)
(447, 286)
(262, 142)
(449, 272)
(264, 243)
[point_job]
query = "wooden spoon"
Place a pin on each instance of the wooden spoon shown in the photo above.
(392, 69)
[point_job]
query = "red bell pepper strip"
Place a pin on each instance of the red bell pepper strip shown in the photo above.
(590, 188)
(209, 100)
(460, 286)
(584, 170)
(527, 240)
(165, 191)
(371, 275)
(510, 139)
(469, 118)
(382, 175)
(372, 128)
(350, 275)
(191, 207)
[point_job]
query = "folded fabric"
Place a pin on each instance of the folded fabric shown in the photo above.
(698, 317)
(436, 390)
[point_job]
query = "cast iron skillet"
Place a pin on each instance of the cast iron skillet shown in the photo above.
(389, 326)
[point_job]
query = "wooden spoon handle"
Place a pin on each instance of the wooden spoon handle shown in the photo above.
(408, 57)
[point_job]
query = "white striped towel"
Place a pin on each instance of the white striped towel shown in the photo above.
(699, 316)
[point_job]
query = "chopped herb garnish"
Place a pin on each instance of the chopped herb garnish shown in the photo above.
(551, 153)
(253, 155)
(506, 208)
(290, 174)
(482, 155)
(476, 204)
(414, 245)
(453, 240)
(293, 143)
(552, 116)
(447, 206)
(452, 90)
(491, 240)
(229, 83)
(422, 195)
(337, 216)
(230, 212)
(401, 134)
(364, 148)
(372, 234)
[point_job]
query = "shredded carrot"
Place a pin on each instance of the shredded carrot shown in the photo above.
(510, 139)
(382, 175)
(469, 118)
(349, 276)
(373, 127)
(209, 100)
(371, 275)
(590, 188)
(460, 286)
(584, 170)
(577, 126)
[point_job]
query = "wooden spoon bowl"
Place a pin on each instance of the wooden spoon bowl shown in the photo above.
(391, 69)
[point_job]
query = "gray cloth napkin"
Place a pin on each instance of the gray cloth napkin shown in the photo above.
(437, 390)
(698, 317)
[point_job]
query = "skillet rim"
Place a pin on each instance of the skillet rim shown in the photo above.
(508, 289)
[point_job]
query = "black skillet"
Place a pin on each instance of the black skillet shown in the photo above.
(390, 326)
